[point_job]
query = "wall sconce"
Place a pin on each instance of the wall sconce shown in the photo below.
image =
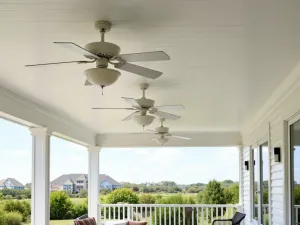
(247, 165)
(277, 155)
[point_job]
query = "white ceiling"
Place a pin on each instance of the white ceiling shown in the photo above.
(226, 56)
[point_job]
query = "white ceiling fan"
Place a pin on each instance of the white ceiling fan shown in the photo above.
(104, 53)
(142, 106)
(163, 135)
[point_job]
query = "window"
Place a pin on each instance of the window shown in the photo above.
(295, 172)
(80, 182)
(260, 173)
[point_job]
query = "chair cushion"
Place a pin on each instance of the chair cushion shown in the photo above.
(131, 222)
(87, 221)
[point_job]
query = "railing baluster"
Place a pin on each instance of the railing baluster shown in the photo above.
(160, 216)
(179, 219)
(165, 216)
(114, 212)
(183, 212)
(170, 216)
(193, 216)
(222, 212)
(150, 215)
(141, 213)
(211, 213)
(174, 215)
(146, 213)
(297, 217)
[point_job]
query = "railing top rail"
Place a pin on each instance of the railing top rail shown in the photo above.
(297, 206)
(171, 205)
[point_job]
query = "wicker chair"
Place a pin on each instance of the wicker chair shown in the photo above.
(236, 219)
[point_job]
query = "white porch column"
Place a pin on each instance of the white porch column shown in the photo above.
(241, 180)
(93, 181)
(40, 207)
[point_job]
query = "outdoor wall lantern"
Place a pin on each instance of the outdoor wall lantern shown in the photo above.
(247, 165)
(277, 156)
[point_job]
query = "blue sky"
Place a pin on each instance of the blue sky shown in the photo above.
(182, 165)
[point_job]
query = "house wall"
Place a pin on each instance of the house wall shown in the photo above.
(270, 123)
(106, 184)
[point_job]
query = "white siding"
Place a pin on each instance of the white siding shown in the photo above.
(246, 185)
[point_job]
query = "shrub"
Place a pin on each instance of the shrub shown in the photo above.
(13, 218)
(60, 206)
(104, 191)
(83, 193)
(1, 196)
(122, 195)
(2, 218)
(147, 199)
(22, 207)
(80, 209)
(168, 213)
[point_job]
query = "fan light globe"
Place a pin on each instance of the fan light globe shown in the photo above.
(162, 140)
(143, 120)
(102, 76)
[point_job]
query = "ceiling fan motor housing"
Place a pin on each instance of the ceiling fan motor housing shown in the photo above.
(162, 130)
(103, 49)
(145, 103)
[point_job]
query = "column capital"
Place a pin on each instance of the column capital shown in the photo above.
(36, 131)
(92, 148)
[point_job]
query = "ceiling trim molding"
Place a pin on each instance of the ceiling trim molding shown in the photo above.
(18, 109)
(198, 139)
(273, 106)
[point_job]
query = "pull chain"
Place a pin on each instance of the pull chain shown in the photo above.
(102, 87)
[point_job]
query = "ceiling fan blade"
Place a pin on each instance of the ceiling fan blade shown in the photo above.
(180, 137)
(87, 83)
(139, 70)
(130, 116)
(132, 102)
(152, 131)
(145, 56)
(56, 63)
(169, 107)
(166, 115)
(116, 108)
(76, 48)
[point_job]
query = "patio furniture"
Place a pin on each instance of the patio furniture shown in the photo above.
(83, 218)
(236, 219)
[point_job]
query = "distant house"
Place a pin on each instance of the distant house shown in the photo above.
(76, 182)
(11, 183)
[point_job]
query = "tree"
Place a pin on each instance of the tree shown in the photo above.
(1, 196)
(297, 195)
(147, 199)
(135, 189)
(212, 194)
(60, 205)
(231, 194)
(122, 195)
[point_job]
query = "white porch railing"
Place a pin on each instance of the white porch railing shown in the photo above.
(166, 214)
(297, 213)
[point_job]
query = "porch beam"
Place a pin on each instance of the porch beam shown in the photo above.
(40, 207)
(21, 110)
(204, 139)
(93, 181)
